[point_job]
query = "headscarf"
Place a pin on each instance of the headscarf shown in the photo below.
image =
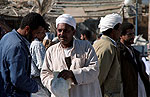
(66, 18)
(109, 21)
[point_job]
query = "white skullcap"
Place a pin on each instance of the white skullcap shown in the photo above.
(66, 18)
(109, 21)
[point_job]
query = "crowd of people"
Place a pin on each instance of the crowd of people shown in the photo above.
(70, 67)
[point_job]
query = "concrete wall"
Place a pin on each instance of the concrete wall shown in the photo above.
(88, 0)
(1, 1)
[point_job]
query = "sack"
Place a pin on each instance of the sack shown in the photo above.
(60, 87)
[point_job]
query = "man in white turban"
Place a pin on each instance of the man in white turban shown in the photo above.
(66, 18)
(109, 21)
(105, 48)
(74, 60)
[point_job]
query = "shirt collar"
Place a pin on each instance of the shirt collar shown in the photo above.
(113, 41)
(23, 38)
(73, 43)
(26, 42)
(36, 39)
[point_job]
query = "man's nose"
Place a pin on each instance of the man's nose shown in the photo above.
(62, 32)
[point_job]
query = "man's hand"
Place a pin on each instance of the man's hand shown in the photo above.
(66, 74)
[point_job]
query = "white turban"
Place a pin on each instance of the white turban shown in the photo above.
(109, 21)
(66, 18)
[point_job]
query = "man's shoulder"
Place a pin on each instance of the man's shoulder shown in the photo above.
(121, 46)
(10, 40)
(82, 42)
(54, 47)
(36, 43)
(103, 43)
(83, 45)
(10, 37)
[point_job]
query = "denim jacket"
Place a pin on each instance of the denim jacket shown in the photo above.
(15, 60)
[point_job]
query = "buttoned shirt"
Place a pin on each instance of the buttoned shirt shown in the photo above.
(37, 51)
(84, 66)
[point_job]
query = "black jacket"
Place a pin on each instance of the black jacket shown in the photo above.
(130, 70)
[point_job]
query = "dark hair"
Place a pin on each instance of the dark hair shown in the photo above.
(107, 32)
(72, 28)
(126, 26)
(87, 33)
(116, 27)
(99, 35)
(33, 20)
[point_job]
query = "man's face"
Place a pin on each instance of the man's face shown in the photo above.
(117, 33)
(82, 37)
(128, 38)
(40, 33)
(37, 33)
(65, 33)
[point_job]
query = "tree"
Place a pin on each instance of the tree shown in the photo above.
(44, 6)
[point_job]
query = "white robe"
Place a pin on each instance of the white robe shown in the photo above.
(84, 66)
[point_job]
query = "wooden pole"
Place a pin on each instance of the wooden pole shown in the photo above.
(149, 23)
(136, 19)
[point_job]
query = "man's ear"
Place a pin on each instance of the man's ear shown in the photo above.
(120, 36)
(85, 37)
(74, 32)
(113, 32)
(27, 29)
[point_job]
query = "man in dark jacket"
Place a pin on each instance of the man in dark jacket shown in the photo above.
(15, 57)
(135, 80)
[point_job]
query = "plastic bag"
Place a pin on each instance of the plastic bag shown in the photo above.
(60, 87)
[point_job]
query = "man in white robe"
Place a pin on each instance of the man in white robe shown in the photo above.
(76, 61)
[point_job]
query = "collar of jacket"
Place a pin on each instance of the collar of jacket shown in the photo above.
(24, 40)
(110, 39)
(125, 52)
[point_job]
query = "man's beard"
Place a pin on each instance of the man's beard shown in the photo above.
(62, 37)
(29, 37)
(129, 41)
